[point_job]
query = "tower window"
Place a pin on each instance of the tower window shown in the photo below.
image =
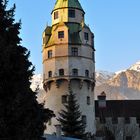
(87, 73)
(88, 100)
(86, 36)
(50, 74)
(84, 119)
(74, 51)
(64, 99)
(93, 57)
(50, 54)
(61, 72)
(72, 13)
(56, 15)
(75, 72)
(61, 34)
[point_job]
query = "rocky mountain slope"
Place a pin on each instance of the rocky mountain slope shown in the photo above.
(124, 84)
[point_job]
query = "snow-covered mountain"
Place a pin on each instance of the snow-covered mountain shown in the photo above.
(135, 67)
(103, 76)
(124, 84)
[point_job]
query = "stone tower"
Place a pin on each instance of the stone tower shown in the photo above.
(68, 62)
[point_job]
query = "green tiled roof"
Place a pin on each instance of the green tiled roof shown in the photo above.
(68, 3)
(74, 36)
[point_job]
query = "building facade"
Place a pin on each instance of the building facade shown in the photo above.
(120, 117)
(68, 62)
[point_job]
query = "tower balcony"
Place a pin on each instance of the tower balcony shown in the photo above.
(69, 78)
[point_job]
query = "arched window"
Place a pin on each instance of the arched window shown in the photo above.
(61, 72)
(50, 74)
(87, 73)
(75, 72)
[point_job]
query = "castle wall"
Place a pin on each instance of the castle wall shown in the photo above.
(53, 101)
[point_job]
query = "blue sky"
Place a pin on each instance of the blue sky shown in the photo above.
(115, 23)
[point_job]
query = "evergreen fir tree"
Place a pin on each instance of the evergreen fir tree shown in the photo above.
(70, 118)
(21, 117)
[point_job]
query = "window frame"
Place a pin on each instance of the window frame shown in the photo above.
(71, 13)
(61, 72)
(50, 53)
(75, 72)
(86, 36)
(88, 100)
(56, 15)
(74, 51)
(84, 119)
(87, 73)
(49, 74)
(60, 34)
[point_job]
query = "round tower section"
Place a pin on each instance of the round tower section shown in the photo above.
(68, 63)
(67, 11)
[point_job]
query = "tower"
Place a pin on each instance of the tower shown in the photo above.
(68, 62)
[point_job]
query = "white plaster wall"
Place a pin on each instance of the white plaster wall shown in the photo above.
(63, 16)
(89, 41)
(53, 102)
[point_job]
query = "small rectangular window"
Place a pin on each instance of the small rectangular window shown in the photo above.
(74, 51)
(56, 15)
(50, 54)
(61, 72)
(61, 34)
(84, 119)
(87, 73)
(50, 74)
(75, 72)
(88, 100)
(86, 36)
(64, 99)
(72, 13)
(93, 57)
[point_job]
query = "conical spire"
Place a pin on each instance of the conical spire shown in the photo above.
(67, 3)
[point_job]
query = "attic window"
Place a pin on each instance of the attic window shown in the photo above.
(56, 15)
(61, 34)
(86, 36)
(72, 13)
